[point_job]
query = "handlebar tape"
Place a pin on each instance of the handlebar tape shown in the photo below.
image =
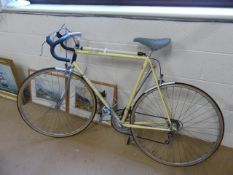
(60, 41)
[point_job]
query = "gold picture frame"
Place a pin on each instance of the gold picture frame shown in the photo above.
(110, 91)
(9, 82)
(103, 86)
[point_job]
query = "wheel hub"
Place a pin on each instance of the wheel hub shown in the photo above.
(178, 125)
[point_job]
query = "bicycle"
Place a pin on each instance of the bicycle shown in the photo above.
(173, 123)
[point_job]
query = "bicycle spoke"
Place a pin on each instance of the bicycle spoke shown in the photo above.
(194, 114)
(48, 112)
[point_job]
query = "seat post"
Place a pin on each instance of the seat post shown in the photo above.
(150, 53)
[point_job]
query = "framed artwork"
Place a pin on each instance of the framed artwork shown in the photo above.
(79, 100)
(108, 91)
(47, 89)
(9, 83)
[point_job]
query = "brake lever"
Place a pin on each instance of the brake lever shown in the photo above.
(42, 48)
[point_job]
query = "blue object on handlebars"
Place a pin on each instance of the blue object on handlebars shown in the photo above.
(60, 41)
(62, 44)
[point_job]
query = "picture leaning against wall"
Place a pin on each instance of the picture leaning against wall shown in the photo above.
(8, 78)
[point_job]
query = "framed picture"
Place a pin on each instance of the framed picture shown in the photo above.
(80, 103)
(108, 91)
(9, 83)
(47, 89)
(79, 100)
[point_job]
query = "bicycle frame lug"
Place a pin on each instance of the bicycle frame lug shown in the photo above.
(161, 81)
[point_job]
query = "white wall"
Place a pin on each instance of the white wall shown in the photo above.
(3, 2)
(201, 53)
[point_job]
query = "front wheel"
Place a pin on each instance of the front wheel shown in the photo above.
(195, 115)
(53, 107)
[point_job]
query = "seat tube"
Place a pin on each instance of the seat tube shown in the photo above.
(162, 97)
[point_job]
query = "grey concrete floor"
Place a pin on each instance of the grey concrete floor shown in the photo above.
(97, 151)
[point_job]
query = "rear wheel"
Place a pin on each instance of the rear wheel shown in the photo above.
(196, 117)
(50, 108)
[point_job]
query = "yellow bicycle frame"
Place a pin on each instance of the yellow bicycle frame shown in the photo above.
(126, 55)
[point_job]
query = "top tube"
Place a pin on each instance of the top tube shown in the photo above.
(110, 53)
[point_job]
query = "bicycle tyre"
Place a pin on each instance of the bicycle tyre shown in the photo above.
(196, 116)
(41, 106)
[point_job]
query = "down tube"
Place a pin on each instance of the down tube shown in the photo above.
(97, 93)
(134, 92)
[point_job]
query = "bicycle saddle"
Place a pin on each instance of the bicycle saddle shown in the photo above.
(153, 44)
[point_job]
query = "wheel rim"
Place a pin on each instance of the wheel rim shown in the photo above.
(197, 136)
(41, 106)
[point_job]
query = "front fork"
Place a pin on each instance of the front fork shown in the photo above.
(67, 87)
